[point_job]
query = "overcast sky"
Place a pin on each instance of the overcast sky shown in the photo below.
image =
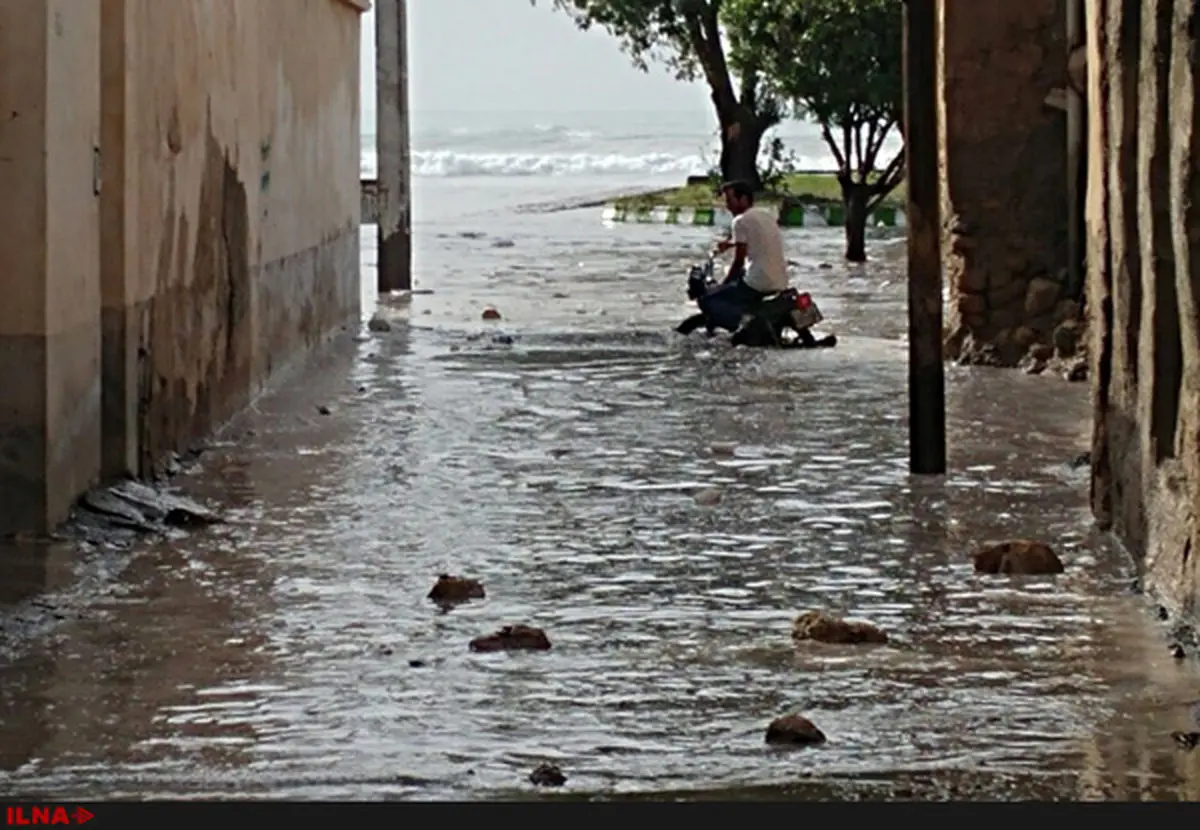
(495, 55)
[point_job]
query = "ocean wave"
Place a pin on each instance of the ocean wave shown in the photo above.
(541, 131)
(449, 164)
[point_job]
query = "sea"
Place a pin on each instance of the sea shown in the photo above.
(485, 181)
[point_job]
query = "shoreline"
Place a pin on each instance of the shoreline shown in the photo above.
(817, 188)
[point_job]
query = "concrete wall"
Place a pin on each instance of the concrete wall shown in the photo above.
(1003, 167)
(1143, 220)
(49, 258)
(231, 240)
(222, 243)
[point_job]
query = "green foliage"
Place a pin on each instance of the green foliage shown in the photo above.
(692, 38)
(649, 31)
(839, 63)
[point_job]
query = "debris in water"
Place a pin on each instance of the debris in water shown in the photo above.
(133, 506)
(378, 324)
(513, 638)
(821, 627)
(794, 730)
(324, 410)
(1021, 556)
(455, 589)
(1178, 652)
(723, 449)
(547, 775)
(491, 313)
(1186, 740)
(709, 498)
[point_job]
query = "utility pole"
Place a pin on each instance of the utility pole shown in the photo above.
(926, 369)
(394, 163)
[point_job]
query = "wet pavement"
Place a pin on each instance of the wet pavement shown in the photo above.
(291, 652)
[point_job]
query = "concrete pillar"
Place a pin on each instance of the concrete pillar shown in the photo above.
(393, 151)
(49, 259)
(118, 241)
(1003, 154)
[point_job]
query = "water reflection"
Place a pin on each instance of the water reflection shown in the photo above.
(292, 653)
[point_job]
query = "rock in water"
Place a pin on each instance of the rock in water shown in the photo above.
(490, 313)
(709, 498)
(826, 628)
(1021, 556)
(547, 775)
(450, 589)
(513, 638)
(378, 324)
(794, 730)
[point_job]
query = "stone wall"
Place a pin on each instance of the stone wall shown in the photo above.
(1143, 253)
(179, 220)
(1004, 180)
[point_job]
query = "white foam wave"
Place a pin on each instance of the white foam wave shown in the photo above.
(536, 132)
(448, 163)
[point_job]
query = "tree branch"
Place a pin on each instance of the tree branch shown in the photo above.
(705, 36)
(879, 136)
(833, 148)
(892, 175)
(847, 147)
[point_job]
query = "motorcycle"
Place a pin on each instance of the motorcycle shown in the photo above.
(782, 320)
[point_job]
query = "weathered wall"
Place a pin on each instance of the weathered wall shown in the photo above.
(231, 205)
(49, 259)
(1143, 217)
(178, 218)
(1003, 167)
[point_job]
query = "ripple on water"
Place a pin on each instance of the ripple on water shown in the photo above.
(295, 655)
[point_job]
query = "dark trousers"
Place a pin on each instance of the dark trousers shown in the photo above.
(726, 304)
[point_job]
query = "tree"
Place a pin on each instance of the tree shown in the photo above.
(840, 64)
(689, 37)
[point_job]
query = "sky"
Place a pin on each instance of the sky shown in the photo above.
(505, 55)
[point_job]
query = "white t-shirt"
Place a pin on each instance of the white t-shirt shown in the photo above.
(766, 266)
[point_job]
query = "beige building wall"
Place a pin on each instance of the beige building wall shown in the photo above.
(232, 214)
(179, 213)
(49, 259)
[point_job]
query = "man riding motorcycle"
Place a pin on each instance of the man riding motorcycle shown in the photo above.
(759, 267)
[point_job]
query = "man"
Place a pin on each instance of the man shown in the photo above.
(759, 267)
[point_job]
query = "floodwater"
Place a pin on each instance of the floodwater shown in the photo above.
(291, 653)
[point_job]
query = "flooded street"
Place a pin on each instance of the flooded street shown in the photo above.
(291, 652)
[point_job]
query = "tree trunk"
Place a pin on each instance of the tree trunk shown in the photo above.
(741, 140)
(854, 199)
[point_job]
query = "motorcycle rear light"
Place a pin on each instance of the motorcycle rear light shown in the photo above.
(803, 301)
